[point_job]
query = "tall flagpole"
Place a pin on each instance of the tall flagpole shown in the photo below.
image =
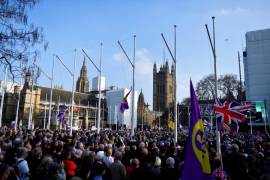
(99, 82)
(18, 104)
(57, 122)
(45, 113)
(99, 91)
(174, 79)
(133, 87)
(3, 96)
(50, 106)
(213, 47)
(31, 104)
(72, 98)
(96, 116)
(133, 79)
(175, 89)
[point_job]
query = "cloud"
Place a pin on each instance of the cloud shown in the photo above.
(144, 63)
(118, 57)
(232, 11)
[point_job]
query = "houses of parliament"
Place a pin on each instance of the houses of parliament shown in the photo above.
(86, 101)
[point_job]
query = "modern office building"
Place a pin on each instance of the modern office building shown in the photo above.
(114, 99)
(95, 83)
(257, 67)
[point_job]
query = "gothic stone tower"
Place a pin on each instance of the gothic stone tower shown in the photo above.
(140, 108)
(82, 84)
(163, 87)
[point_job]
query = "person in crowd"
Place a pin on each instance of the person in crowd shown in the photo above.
(22, 165)
(46, 154)
(117, 169)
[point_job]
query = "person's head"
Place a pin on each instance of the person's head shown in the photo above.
(157, 162)
(37, 153)
(99, 169)
(109, 151)
(4, 171)
(22, 153)
(100, 155)
(54, 169)
(118, 155)
(2, 157)
(144, 152)
(135, 163)
(46, 161)
(170, 162)
(142, 145)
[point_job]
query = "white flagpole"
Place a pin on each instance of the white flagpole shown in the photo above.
(57, 121)
(72, 98)
(50, 106)
(31, 104)
(3, 96)
(96, 115)
(110, 117)
(213, 47)
(133, 80)
(45, 113)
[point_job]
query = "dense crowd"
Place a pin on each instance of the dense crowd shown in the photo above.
(115, 155)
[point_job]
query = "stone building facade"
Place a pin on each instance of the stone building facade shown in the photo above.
(145, 116)
(163, 91)
(85, 104)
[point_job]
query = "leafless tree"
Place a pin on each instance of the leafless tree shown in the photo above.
(18, 37)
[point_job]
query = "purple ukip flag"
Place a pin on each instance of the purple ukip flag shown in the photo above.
(196, 165)
(124, 104)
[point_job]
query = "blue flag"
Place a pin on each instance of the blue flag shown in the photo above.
(196, 165)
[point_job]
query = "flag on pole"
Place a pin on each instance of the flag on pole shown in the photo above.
(124, 104)
(61, 114)
(171, 124)
(196, 165)
(230, 113)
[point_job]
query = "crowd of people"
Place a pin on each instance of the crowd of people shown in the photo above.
(115, 155)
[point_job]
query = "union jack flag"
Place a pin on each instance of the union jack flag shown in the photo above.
(229, 113)
(245, 106)
(61, 114)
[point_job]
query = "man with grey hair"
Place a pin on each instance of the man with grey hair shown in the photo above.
(117, 169)
(170, 171)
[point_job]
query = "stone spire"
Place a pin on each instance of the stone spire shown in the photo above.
(28, 79)
(82, 84)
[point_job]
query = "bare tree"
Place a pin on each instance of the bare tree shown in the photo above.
(205, 88)
(229, 85)
(18, 38)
